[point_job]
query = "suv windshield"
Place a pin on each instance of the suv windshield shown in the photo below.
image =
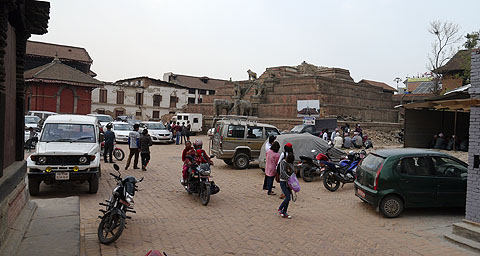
(122, 127)
(32, 119)
(68, 133)
(155, 126)
(104, 118)
(297, 128)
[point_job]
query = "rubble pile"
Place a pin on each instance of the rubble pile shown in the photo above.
(383, 138)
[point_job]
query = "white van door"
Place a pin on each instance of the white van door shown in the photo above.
(196, 121)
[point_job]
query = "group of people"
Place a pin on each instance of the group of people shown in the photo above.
(344, 138)
(181, 132)
(441, 141)
(138, 144)
(279, 167)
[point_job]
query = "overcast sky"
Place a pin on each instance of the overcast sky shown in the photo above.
(375, 39)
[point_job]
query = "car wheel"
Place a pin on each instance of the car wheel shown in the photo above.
(391, 206)
(93, 184)
(241, 161)
(228, 161)
(33, 186)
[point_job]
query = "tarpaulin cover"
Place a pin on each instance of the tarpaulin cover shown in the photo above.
(303, 144)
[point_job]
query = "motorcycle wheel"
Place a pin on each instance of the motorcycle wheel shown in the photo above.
(306, 173)
(110, 228)
(205, 194)
(118, 154)
(330, 183)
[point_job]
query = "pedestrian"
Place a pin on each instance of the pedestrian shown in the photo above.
(347, 141)
(287, 150)
(169, 126)
(325, 135)
(333, 135)
(145, 143)
(178, 133)
(268, 145)
(359, 130)
(134, 146)
(189, 130)
(184, 131)
(441, 142)
(338, 141)
(271, 166)
(286, 170)
(109, 139)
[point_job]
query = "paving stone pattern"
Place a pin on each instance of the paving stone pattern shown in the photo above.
(243, 220)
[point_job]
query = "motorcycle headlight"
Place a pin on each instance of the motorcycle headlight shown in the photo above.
(42, 160)
(83, 160)
(129, 199)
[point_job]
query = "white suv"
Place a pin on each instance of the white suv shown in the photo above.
(68, 149)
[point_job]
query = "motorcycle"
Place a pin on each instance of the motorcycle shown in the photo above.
(116, 208)
(310, 167)
(117, 152)
(199, 182)
(344, 172)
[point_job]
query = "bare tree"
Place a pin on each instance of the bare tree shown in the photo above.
(443, 48)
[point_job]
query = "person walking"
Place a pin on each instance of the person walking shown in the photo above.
(286, 170)
(178, 133)
(133, 145)
(188, 130)
(145, 143)
(268, 145)
(109, 139)
(287, 150)
(184, 131)
(271, 166)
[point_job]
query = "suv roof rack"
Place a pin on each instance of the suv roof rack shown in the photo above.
(250, 119)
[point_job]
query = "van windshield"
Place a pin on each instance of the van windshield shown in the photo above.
(68, 133)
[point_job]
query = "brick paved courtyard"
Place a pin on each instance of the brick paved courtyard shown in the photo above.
(242, 219)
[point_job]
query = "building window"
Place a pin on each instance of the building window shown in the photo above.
(103, 96)
(120, 97)
(139, 98)
(157, 98)
(101, 111)
(173, 101)
(211, 92)
(119, 112)
(138, 113)
(191, 91)
(195, 120)
(156, 114)
(191, 100)
(201, 91)
(200, 100)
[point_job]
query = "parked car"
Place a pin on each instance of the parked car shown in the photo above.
(121, 130)
(158, 132)
(68, 150)
(394, 179)
(239, 141)
(42, 114)
(32, 121)
(104, 119)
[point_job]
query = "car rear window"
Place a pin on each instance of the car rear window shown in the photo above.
(372, 162)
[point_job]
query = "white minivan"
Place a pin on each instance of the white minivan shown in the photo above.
(42, 114)
(194, 118)
(68, 149)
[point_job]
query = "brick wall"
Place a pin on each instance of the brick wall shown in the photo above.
(472, 211)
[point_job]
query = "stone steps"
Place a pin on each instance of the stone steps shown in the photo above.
(466, 234)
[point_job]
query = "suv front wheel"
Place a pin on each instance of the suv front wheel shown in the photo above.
(241, 161)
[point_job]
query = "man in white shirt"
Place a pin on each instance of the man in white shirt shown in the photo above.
(134, 146)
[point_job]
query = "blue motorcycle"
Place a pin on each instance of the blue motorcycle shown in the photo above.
(344, 172)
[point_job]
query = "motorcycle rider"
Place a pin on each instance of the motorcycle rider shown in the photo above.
(187, 161)
(200, 154)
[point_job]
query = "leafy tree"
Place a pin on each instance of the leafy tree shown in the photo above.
(443, 48)
(472, 40)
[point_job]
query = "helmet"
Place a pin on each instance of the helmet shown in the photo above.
(351, 155)
(198, 143)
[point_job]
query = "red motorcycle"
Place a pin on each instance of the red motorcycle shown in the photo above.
(117, 152)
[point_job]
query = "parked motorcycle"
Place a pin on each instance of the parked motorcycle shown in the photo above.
(116, 208)
(199, 182)
(310, 166)
(117, 152)
(344, 172)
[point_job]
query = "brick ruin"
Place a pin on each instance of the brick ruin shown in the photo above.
(275, 93)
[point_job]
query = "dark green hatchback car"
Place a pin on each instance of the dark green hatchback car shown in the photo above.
(394, 179)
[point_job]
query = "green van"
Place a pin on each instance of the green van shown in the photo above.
(394, 179)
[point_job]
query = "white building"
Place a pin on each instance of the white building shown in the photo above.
(197, 86)
(142, 98)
